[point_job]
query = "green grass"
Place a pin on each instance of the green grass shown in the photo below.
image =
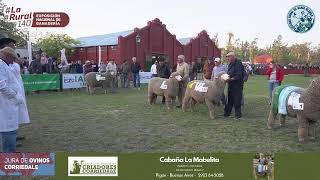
(124, 122)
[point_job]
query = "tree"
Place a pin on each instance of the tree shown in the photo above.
(216, 40)
(300, 53)
(229, 46)
(280, 51)
(53, 43)
(10, 29)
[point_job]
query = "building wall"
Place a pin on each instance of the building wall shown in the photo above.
(155, 39)
(201, 47)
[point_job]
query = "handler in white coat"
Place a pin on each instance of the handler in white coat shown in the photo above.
(10, 101)
(23, 110)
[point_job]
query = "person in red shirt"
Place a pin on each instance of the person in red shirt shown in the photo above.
(207, 69)
(275, 77)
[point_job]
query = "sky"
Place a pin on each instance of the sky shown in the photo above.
(246, 19)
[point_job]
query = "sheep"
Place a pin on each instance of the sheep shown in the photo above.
(104, 80)
(303, 104)
(209, 92)
(168, 88)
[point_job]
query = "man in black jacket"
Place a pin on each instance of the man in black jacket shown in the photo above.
(235, 86)
(135, 69)
(163, 71)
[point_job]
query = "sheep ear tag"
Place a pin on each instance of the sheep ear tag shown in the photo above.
(200, 87)
(163, 85)
(294, 101)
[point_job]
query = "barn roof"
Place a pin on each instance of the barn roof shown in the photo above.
(184, 41)
(102, 40)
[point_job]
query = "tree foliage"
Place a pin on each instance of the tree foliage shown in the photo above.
(53, 43)
(280, 51)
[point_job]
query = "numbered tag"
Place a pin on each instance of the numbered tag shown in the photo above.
(163, 85)
(98, 77)
(294, 101)
(200, 87)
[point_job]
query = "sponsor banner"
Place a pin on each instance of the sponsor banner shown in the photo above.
(145, 77)
(73, 81)
(146, 166)
(27, 164)
(35, 82)
(92, 166)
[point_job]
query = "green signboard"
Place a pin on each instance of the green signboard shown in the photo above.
(35, 82)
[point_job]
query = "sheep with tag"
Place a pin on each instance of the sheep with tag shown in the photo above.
(164, 87)
(304, 104)
(208, 92)
(104, 80)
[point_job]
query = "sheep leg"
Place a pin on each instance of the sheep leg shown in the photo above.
(282, 119)
(192, 104)
(173, 101)
(303, 128)
(312, 130)
(168, 102)
(88, 88)
(185, 103)
(271, 119)
(154, 98)
(91, 89)
(210, 107)
(150, 96)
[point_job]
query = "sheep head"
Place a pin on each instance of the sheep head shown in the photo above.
(223, 76)
(176, 76)
(315, 86)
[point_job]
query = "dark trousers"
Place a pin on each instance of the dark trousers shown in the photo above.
(234, 100)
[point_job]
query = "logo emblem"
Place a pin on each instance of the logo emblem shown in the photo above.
(92, 166)
(300, 18)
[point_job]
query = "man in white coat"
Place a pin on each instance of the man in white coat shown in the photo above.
(10, 101)
(112, 67)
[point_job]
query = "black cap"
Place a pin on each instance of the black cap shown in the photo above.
(4, 39)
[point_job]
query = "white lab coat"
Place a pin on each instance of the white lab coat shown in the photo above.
(23, 110)
(10, 99)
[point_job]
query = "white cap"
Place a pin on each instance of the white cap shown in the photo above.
(217, 60)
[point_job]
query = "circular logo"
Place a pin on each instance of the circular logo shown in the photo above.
(300, 18)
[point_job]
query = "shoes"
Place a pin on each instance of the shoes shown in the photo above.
(238, 118)
(226, 116)
(178, 106)
(20, 138)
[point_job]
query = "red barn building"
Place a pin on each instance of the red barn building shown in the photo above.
(147, 44)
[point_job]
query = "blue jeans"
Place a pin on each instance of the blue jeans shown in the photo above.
(124, 81)
(136, 79)
(8, 141)
(272, 86)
